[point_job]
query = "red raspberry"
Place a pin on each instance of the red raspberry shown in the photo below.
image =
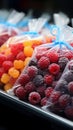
(7, 65)
(20, 56)
(29, 87)
(54, 97)
(48, 91)
(34, 98)
(32, 71)
(39, 55)
(2, 58)
(1, 71)
(16, 48)
(43, 62)
(54, 68)
(64, 100)
(48, 79)
(69, 112)
(12, 80)
(11, 57)
(41, 90)
(20, 92)
(70, 87)
(68, 54)
(53, 56)
(23, 79)
(44, 101)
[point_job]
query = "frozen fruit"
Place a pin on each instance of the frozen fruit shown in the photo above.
(34, 98)
(20, 92)
(43, 62)
(23, 79)
(33, 62)
(64, 100)
(41, 90)
(54, 97)
(38, 80)
(53, 56)
(69, 112)
(20, 56)
(13, 72)
(5, 78)
(2, 58)
(27, 43)
(54, 68)
(48, 79)
(2, 71)
(62, 62)
(28, 51)
(68, 76)
(18, 64)
(11, 57)
(44, 101)
(7, 86)
(68, 54)
(48, 91)
(32, 71)
(29, 87)
(7, 65)
(70, 87)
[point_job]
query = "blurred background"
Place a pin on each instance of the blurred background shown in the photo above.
(39, 6)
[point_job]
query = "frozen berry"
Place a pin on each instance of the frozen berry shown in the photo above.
(2, 71)
(62, 62)
(64, 100)
(48, 91)
(41, 90)
(70, 87)
(53, 56)
(43, 62)
(54, 68)
(38, 80)
(20, 56)
(44, 101)
(34, 98)
(2, 58)
(54, 97)
(32, 71)
(29, 87)
(33, 62)
(7, 65)
(68, 54)
(20, 92)
(48, 79)
(11, 57)
(69, 112)
(68, 76)
(70, 66)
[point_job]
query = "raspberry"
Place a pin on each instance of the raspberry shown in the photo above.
(7, 65)
(68, 54)
(69, 112)
(34, 98)
(2, 71)
(70, 87)
(48, 91)
(32, 71)
(68, 76)
(64, 100)
(29, 87)
(53, 56)
(44, 101)
(54, 97)
(38, 80)
(54, 68)
(43, 62)
(2, 58)
(23, 79)
(20, 56)
(39, 55)
(48, 79)
(41, 90)
(16, 48)
(11, 57)
(20, 92)
(62, 62)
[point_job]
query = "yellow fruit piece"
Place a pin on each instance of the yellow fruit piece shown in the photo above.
(13, 72)
(5, 78)
(18, 64)
(27, 61)
(28, 51)
(27, 43)
(7, 86)
(8, 51)
(37, 42)
(3, 48)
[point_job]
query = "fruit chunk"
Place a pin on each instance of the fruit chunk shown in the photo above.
(5, 78)
(28, 51)
(13, 72)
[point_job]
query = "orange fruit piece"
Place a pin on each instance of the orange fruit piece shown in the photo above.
(18, 64)
(28, 51)
(5, 78)
(13, 72)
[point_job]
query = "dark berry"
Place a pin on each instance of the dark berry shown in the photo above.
(32, 71)
(43, 62)
(70, 87)
(41, 90)
(42, 72)
(57, 77)
(48, 91)
(72, 101)
(29, 87)
(20, 92)
(62, 62)
(70, 66)
(34, 98)
(33, 62)
(69, 112)
(54, 68)
(38, 80)
(53, 56)
(48, 79)
(54, 84)
(54, 97)
(44, 101)
(68, 76)
(64, 100)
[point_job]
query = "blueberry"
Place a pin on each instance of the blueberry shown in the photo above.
(68, 76)
(38, 80)
(62, 62)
